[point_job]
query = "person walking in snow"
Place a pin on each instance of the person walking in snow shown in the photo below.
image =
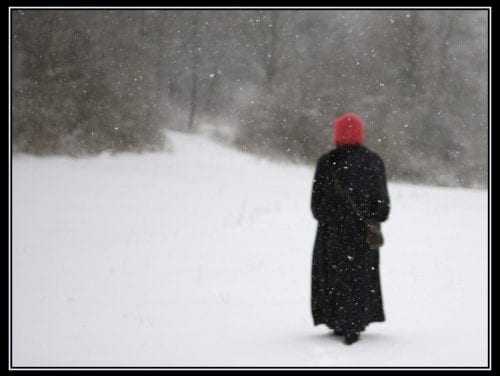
(349, 200)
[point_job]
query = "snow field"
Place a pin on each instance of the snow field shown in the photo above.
(201, 257)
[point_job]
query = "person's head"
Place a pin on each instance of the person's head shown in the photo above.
(349, 129)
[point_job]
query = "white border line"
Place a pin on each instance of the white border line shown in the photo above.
(10, 200)
(490, 286)
(259, 8)
(256, 368)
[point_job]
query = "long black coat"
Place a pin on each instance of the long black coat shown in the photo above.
(346, 293)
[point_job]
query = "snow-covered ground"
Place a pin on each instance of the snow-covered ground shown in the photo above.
(202, 257)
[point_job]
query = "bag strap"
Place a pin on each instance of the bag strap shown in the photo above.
(373, 226)
(339, 189)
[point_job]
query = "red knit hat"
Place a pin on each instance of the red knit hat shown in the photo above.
(349, 129)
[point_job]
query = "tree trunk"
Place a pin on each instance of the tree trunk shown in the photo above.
(194, 101)
(272, 55)
(195, 64)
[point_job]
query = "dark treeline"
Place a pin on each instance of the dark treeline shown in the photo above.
(268, 82)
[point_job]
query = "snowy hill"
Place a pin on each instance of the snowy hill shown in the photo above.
(202, 257)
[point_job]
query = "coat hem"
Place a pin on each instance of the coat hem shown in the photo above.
(336, 327)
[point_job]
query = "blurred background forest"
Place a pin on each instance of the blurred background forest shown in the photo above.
(267, 82)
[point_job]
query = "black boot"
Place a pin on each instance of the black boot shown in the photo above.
(350, 338)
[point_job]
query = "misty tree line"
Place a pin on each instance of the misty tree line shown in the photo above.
(268, 82)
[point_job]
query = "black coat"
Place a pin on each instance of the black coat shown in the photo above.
(346, 293)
